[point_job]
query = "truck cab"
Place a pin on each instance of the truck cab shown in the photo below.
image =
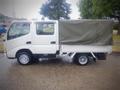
(26, 40)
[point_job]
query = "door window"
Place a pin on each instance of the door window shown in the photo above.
(45, 28)
(18, 30)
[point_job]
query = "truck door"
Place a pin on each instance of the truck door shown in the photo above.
(45, 38)
(17, 36)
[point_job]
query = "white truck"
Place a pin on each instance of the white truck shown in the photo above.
(80, 40)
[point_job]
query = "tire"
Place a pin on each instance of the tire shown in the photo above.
(82, 60)
(24, 58)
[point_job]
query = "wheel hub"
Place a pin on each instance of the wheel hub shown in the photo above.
(83, 60)
(24, 59)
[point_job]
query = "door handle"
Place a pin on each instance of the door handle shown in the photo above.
(53, 42)
(28, 42)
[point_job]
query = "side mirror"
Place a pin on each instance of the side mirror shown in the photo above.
(4, 40)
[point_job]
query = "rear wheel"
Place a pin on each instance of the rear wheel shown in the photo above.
(24, 58)
(82, 59)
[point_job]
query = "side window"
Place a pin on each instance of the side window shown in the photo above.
(18, 30)
(45, 28)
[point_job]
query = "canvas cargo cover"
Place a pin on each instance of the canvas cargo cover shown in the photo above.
(85, 32)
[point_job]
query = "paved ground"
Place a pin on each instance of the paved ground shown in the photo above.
(103, 75)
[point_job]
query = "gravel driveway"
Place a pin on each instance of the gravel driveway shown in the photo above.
(57, 75)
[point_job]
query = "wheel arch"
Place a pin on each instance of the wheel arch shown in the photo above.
(79, 53)
(23, 50)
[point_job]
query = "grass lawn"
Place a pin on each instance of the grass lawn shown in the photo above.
(116, 48)
(1, 45)
(116, 37)
(1, 48)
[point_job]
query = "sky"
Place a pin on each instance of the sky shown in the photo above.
(30, 8)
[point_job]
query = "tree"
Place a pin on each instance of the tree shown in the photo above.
(101, 9)
(85, 8)
(56, 9)
(107, 9)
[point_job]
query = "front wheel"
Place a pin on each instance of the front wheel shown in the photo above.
(24, 58)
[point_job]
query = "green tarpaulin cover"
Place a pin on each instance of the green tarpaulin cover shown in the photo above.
(85, 32)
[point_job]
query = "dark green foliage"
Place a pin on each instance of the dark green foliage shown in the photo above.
(85, 8)
(56, 9)
(100, 8)
(107, 8)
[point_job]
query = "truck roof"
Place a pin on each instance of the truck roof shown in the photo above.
(34, 20)
(80, 20)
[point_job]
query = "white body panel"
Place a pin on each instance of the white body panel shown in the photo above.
(12, 46)
(85, 48)
(41, 44)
